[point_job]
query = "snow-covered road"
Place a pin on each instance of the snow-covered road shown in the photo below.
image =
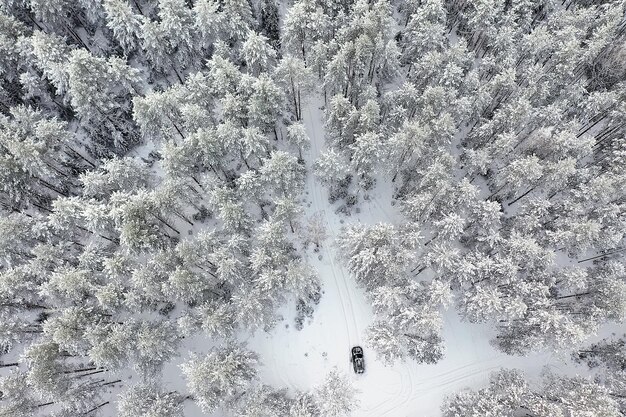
(298, 360)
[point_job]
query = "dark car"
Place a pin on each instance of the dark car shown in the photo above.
(358, 363)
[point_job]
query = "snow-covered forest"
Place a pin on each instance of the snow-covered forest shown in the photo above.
(204, 204)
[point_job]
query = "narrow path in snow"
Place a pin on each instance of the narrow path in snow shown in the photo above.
(314, 123)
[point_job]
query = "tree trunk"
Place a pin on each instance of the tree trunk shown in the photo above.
(165, 223)
(74, 371)
(111, 382)
(138, 7)
(573, 295)
(295, 100)
(299, 106)
(99, 371)
(96, 407)
(183, 217)
(602, 255)
(50, 186)
(521, 196)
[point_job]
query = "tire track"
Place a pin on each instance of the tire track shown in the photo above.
(316, 192)
(404, 395)
(453, 379)
(409, 392)
(330, 220)
(341, 296)
(347, 299)
(317, 143)
(351, 296)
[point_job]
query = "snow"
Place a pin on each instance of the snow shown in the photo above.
(299, 360)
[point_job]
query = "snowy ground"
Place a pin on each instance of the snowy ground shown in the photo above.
(300, 359)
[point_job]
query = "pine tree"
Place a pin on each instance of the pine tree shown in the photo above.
(68, 285)
(335, 396)
(11, 29)
(366, 153)
(315, 230)
(125, 24)
(377, 255)
(156, 343)
(424, 32)
(220, 376)
(266, 104)
(67, 329)
(304, 405)
(297, 136)
(257, 53)
(238, 18)
(149, 399)
(304, 24)
(208, 20)
(142, 224)
(409, 322)
(270, 25)
(99, 90)
(509, 393)
(295, 77)
(117, 174)
(51, 53)
(330, 167)
(283, 174)
(263, 401)
(16, 401)
(177, 24)
(217, 319)
(110, 345)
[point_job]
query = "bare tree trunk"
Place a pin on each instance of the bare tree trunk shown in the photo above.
(602, 255)
(95, 408)
(5, 365)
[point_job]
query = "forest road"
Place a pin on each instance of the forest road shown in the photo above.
(333, 275)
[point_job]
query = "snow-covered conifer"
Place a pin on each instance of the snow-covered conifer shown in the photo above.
(331, 167)
(125, 24)
(335, 396)
(51, 55)
(116, 174)
(98, 89)
(284, 175)
(266, 103)
(269, 22)
(143, 400)
(220, 376)
(296, 78)
(257, 53)
(304, 24)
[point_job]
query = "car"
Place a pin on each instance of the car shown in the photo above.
(356, 357)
